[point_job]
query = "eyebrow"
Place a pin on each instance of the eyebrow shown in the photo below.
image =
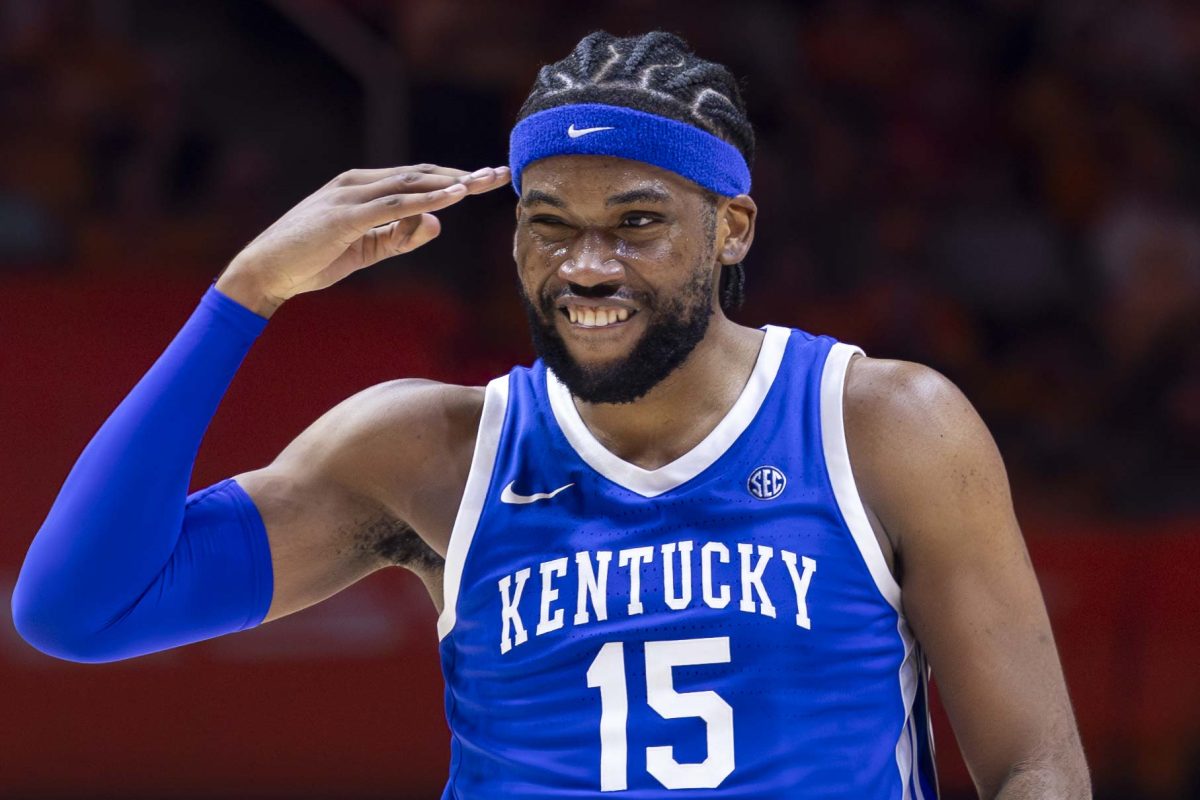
(645, 194)
(534, 196)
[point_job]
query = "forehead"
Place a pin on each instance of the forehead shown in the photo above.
(584, 179)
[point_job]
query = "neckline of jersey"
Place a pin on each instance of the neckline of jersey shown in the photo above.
(653, 482)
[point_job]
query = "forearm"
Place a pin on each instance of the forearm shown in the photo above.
(118, 520)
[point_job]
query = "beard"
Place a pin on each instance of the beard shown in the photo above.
(679, 324)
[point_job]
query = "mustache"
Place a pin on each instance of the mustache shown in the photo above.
(550, 296)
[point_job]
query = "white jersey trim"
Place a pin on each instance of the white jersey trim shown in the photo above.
(487, 443)
(845, 491)
(837, 464)
(907, 751)
(653, 482)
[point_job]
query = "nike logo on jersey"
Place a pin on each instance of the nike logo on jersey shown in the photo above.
(509, 496)
(575, 133)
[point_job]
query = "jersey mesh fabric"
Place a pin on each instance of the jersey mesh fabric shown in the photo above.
(817, 712)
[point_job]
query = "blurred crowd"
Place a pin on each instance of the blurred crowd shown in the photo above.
(1006, 190)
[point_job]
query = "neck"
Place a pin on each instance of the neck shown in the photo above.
(683, 408)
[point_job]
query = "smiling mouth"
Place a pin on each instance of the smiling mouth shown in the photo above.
(595, 316)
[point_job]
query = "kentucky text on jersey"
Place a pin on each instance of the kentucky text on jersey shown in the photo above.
(679, 569)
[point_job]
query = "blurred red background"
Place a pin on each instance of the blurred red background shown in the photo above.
(1005, 191)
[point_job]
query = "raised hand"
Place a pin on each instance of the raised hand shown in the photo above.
(358, 219)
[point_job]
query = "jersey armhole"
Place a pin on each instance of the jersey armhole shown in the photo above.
(849, 502)
(479, 479)
(841, 476)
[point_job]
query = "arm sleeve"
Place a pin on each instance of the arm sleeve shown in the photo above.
(126, 562)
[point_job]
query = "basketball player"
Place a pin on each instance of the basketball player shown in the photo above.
(679, 557)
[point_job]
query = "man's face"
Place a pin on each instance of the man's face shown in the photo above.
(617, 271)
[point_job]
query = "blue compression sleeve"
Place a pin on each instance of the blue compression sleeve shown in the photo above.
(126, 562)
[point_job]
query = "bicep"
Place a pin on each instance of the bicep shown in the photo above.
(968, 587)
(316, 531)
(972, 598)
(326, 503)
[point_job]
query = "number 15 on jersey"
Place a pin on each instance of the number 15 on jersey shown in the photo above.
(607, 673)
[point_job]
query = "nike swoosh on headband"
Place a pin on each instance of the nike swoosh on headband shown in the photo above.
(575, 133)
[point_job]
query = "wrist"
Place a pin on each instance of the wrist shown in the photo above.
(244, 290)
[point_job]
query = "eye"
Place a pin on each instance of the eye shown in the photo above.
(544, 220)
(639, 220)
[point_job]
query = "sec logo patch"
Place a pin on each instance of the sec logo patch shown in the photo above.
(766, 483)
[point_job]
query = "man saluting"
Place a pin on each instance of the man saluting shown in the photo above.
(677, 557)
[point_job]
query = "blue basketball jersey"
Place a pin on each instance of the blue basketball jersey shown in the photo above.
(722, 626)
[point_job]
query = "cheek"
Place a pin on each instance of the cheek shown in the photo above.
(525, 254)
(536, 263)
(536, 256)
(666, 252)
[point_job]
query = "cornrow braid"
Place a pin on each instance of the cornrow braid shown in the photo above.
(659, 74)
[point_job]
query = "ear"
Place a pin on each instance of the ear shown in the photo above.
(736, 217)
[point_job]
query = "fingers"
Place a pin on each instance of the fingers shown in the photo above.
(358, 177)
(397, 205)
(408, 182)
(413, 181)
(486, 179)
(392, 207)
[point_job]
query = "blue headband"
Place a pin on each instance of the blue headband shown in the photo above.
(594, 129)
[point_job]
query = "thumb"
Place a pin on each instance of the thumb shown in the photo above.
(396, 237)
(427, 229)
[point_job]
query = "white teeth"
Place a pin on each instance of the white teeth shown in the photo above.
(597, 317)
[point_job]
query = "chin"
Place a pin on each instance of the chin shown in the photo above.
(619, 363)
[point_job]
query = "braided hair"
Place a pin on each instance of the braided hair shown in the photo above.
(659, 74)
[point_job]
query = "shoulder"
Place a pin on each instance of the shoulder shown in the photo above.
(412, 411)
(397, 442)
(903, 398)
(914, 438)
(441, 413)
(416, 398)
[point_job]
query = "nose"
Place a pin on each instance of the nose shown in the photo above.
(589, 262)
